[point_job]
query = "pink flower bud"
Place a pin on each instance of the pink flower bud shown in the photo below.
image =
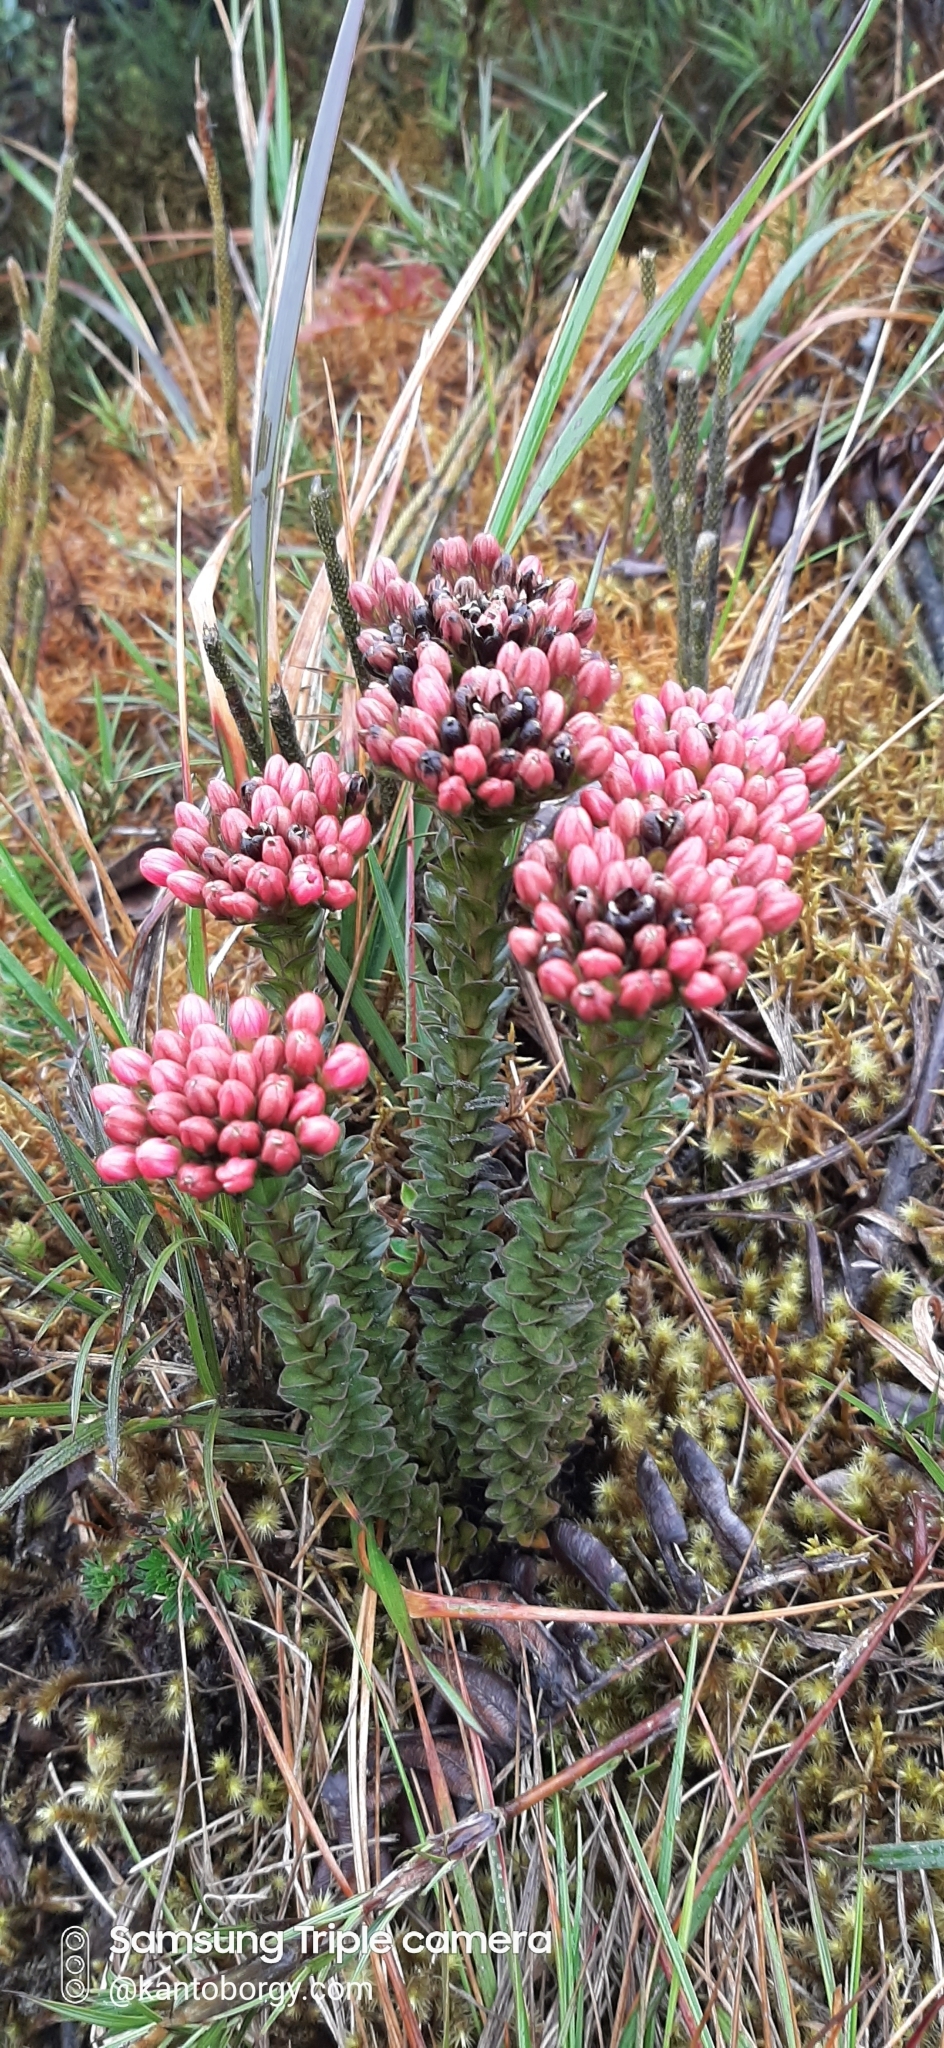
(484, 734)
(636, 993)
(198, 1133)
(524, 945)
(454, 796)
(338, 895)
(742, 935)
(680, 784)
(113, 1095)
(694, 752)
(431, 694)
(268, 1057)
(583, 867)
(560, 614)
(592, 1002)
(233, 825)
(236, 1101)
(240, 1139)
(337, 865)
(345, 1069)
(202, 1094)
(574, 827)
(431, 655)
(595, 964)
(167, 1074)
(200, 1182)
(116, 1165)
(808, 831)
(557, 980)
(703, 992)
(318, 1134)
(553, 712)
(280, 1151)
(325, 775)
(210, 1061)
(777, 906)
(192, 829)
(273, 771)
(309, 1101)
(306, 881)
(650, 943)
(306, 1013)
(648, 775)
(595, 683)
(822, 766)
(535, 771)
(125, 1126)
(532, 671)
(551, 921)
(563, 656)
(275, 1099)
(405, 755)
(220, 796)
(685, 957)
(496, 793)
(304, 1053)
(268, 885)
(166, 1110)
(692, 853)
(158, 864)
(157, 1159)
(364, 600)
(249, 1019)
(129, 1066)
(356, 834)
(191, 1012)
(236, 1176)
(730, 969)
(470, 763)
(187, 887)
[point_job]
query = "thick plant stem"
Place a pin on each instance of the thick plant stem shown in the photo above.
(323, 522)
(223, 281)
(326, 1371)
(354, 1240)
(459, 1097)
(293, 951)
(547, 1327)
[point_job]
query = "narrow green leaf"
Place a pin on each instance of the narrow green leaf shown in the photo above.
(384, 1043)
(20, 897)
(906, 1856)
(280, 355)
(559, 362)
(392, 924)
(36, 994)
(382, 1577)
(90, 1436)
(610, 386)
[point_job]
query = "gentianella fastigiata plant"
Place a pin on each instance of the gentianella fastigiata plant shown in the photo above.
(631, 872)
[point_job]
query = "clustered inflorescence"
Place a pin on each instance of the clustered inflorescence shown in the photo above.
(208, 1108)
(286, 843)
(661, 880)
(483, 689)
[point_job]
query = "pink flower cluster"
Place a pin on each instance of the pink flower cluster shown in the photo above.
(661, 880)
(284, 844)
(484, 688)
(208, 1108)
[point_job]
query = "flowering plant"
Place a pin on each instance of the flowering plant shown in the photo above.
(633, 872)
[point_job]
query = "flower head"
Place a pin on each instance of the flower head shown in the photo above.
(662, 879)
(209, 1108)
(288, 840)
(483, 689)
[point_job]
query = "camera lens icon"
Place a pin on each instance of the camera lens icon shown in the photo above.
(74, 1964)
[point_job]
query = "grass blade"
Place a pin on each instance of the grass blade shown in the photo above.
(557, 365)
(280, 355)
(610, 386)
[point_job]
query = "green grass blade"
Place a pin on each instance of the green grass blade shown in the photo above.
(14, 970)
(559, 362)
(392, 924)
(906, 1856)
(610, 386)
(20, 897)
(90, 1436)
(280, 355)
(384, 1043)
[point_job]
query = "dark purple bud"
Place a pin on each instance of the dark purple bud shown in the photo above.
(451, 735)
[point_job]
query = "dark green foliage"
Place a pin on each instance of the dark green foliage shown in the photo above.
(547, 1326)
(300, 1249)
(459, 1097)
